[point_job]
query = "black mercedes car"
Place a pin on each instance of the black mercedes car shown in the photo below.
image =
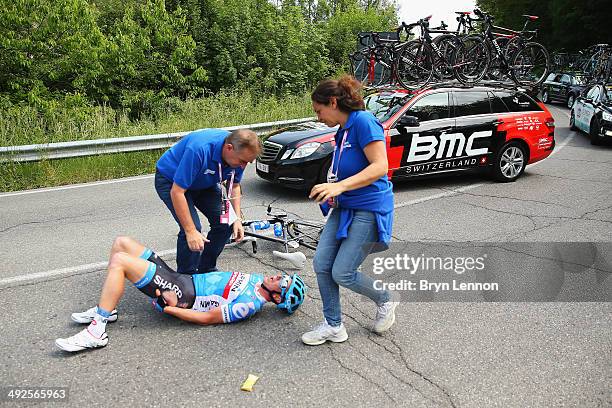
(439, 129)
(592, 113)
(563, 87)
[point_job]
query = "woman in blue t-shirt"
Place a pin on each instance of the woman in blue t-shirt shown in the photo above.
(360, 197)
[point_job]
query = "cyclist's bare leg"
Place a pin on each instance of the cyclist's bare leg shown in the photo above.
(127, 245)
(122, 266)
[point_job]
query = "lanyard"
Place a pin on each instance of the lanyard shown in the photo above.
(335, 174)
(231, 183)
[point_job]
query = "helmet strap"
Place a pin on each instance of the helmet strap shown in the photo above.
(270, 293)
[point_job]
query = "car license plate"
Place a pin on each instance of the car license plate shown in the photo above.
(262, 167)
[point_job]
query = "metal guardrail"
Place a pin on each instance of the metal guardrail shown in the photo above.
(37, 152)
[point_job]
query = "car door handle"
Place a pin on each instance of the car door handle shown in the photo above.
(498, 122)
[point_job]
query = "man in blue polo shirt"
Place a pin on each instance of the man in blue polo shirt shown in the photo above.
(203, 172)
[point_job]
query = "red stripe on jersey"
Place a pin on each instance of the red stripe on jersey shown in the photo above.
(229, 284)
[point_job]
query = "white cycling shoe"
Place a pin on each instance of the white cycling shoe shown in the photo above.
(81, 341)
(88, 315)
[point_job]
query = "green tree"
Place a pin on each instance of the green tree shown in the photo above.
(563, 24)
(48, 47)
(150, 55)
(342, 28)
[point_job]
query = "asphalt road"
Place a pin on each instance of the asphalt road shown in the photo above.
(54, 242)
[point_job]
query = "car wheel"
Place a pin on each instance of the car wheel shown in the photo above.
(572, 121)
(510, 162)
(595, 131)
(545, 97)
(570, 101)
(325, 170)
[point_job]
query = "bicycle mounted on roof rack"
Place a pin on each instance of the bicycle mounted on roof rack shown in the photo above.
(524, 61)
(453, 83)
(374, 64)
(424, 58)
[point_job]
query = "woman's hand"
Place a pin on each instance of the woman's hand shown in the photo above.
(322, 192)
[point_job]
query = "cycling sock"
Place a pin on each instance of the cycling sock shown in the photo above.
(146, 253)
(97, 327)
(102, 312)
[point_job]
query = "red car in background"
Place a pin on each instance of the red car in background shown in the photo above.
(440, 129)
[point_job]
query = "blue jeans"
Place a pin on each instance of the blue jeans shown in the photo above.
(336, 262)
(208, 201)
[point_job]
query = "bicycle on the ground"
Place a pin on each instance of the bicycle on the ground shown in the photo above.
(290, 232)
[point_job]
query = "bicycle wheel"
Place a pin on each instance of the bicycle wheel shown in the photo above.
(305, 232)
(359, 66)
(383, 75)
(382, 67)
(414, 66)
(471, 59)
(447, 44)
(530, 65)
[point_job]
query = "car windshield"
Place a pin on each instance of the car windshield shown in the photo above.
(385, 104)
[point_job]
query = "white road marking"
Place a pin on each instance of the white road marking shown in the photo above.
(101, 265)
(436, 196)
(73, 186)
(74, 270)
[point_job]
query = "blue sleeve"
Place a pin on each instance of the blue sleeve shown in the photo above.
(368, 129)
(236, 311)
(188, 168)
(238, 175)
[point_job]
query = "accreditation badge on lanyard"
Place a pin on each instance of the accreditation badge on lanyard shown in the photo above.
(226, 194)
(332, 174)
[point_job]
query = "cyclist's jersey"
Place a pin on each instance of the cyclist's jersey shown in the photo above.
(234, 292)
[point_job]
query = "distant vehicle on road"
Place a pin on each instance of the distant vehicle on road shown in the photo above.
(564, 87)
(592, 113)
(436, 130)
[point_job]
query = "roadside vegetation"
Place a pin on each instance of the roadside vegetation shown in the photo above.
(66, 124)
(87, 69)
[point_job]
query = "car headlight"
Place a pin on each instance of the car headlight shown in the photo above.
(287, 154)
(607, 116)
(305, 150)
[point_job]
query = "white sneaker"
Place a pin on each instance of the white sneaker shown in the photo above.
(385, 317)
(81, 341)
(324, 332)
(88, 315)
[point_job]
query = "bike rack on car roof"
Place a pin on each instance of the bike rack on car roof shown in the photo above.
(456, 84)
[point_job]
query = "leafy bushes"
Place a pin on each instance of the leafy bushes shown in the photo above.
(133, 54)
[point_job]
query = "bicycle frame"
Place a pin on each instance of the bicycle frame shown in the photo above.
(287, 239)
(427, 40)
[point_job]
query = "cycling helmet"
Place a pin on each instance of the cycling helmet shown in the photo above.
(293, 296)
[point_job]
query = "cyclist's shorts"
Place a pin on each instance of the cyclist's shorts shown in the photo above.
(160, 276)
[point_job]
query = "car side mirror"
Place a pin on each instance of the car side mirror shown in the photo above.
(408, 121)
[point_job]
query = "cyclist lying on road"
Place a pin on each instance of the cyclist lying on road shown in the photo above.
(206, 298)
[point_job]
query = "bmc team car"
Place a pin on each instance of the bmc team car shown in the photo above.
(436, 130)
(563, 87)
(592, 113)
